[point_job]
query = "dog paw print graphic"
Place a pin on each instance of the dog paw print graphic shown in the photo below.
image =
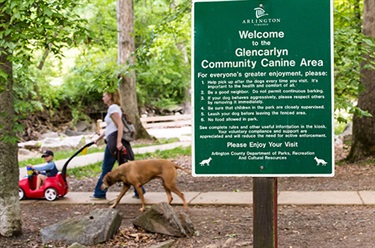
(320, 161)
(206, 162)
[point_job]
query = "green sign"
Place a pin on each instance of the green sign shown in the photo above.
(263, 88)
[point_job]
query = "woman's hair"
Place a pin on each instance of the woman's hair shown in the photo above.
(115, 97)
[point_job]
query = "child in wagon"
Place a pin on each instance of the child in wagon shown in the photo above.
(44, 171)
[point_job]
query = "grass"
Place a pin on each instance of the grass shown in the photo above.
(160, 141)
(339, 127)
(59, 155)
(93, 170)
(166, 154)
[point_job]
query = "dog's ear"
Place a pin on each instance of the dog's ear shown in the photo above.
(108, 179)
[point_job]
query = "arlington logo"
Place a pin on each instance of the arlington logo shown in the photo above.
(260, 12)
(261, 17)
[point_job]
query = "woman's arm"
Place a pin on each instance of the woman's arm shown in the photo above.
(99, 138)
(117, 120)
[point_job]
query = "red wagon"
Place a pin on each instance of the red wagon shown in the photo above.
(52, 188)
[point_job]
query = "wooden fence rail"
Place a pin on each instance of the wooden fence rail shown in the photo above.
(166, 121)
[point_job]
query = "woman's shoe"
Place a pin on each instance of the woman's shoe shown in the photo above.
(97, 198)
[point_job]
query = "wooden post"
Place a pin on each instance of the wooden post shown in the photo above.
(265, 212)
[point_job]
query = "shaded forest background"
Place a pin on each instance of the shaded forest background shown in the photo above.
(65, 85)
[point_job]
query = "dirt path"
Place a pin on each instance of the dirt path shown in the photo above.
(230, 226)
(298, 226)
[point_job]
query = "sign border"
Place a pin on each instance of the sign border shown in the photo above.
(193, 105)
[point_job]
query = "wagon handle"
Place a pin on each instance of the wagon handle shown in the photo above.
(63, 171)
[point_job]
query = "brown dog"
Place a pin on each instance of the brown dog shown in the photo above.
(138, 173)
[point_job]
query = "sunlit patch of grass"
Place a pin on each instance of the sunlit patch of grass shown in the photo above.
(93, 170)
(59, 155)
(339, 127)
(160, 141)
(165, 154)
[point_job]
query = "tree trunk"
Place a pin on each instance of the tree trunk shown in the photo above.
(126, 49)
(10, 213)
(363, 142)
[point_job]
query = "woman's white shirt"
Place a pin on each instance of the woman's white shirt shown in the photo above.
(110, 125)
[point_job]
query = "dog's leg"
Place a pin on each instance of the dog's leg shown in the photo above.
(172, 187)
(181, 195)
(169, 194)
(138, 188)
(125, 188)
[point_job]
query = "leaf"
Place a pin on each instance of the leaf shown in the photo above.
(232, 235)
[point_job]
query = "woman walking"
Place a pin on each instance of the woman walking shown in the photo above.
(114, 149)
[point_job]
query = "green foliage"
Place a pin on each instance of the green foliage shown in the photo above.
(95, 68)
(163, 53)
(33, 28)
(350, 47)
(91, 75)
(339, 127)
(162, 36)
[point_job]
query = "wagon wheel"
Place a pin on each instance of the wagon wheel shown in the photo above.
(50, 194)
(21, 194)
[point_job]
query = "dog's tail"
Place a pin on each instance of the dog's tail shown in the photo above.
(182, 168)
